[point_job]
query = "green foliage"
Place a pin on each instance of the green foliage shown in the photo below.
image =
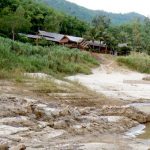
(137, 61)
(146, 35)
(135, 34)
(73, 26)
(15, 22)
(124, 50)
(52, 23)
(101, 22)
(51, 60)
(99, 30)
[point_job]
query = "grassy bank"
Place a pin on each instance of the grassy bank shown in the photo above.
(18, 57)
(136, 61)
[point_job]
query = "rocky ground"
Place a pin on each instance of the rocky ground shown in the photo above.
(64, 115)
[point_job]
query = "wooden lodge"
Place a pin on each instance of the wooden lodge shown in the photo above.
(70, 41)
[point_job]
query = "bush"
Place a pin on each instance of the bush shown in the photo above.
(51, 60)
(136, 61)
(124, 50)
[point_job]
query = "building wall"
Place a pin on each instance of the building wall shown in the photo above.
(64, 40)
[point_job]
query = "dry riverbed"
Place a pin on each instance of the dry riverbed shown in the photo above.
(50, 114)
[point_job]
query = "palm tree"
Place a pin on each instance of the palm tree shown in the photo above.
(91, 35)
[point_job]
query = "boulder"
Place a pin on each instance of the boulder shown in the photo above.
(19, 147)
(74, 113)
(65, 111)
(61, 124)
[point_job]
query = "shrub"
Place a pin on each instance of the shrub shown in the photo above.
(136, 61)
(51, 60)
(124, 50)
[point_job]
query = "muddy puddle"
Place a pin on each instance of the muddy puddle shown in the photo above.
(141, 131)
(135, 131)
(146, 132)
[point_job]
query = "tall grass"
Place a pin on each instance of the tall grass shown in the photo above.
(51, 60)
(136, 61)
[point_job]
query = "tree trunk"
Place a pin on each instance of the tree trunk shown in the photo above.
(37, 41)
(13, 34)
(99, 46)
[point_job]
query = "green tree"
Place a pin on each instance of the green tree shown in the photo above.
(73, 26)
(15, 22)
(91, 34)
(52, 22)
(136, 31)
(102, 22)
(146, 35)
(101, 25)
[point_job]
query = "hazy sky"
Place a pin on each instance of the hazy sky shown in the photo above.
(117, 6)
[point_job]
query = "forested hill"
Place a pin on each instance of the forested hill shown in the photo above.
(87, 14)
(28, 16)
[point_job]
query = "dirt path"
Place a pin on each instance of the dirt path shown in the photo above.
(115, 81)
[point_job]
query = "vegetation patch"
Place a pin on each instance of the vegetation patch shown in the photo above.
(51, 60)
(136, 61)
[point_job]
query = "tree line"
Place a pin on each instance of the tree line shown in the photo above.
(136, 34)
(28, 16)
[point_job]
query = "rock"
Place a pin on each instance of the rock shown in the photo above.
(43, 124)
(19, 147)
(126, 111)
(39, 113)
(4, 147)
(65, 111)
(10, 130)
(74, 112)
(30, 108)
(85, 111)
(56, 113)
(60, 124)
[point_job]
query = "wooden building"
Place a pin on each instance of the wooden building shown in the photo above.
(76, 42)
(70, 41)
(98, 46)
(67, 40)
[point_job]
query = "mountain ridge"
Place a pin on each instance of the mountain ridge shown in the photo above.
(88, 14)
